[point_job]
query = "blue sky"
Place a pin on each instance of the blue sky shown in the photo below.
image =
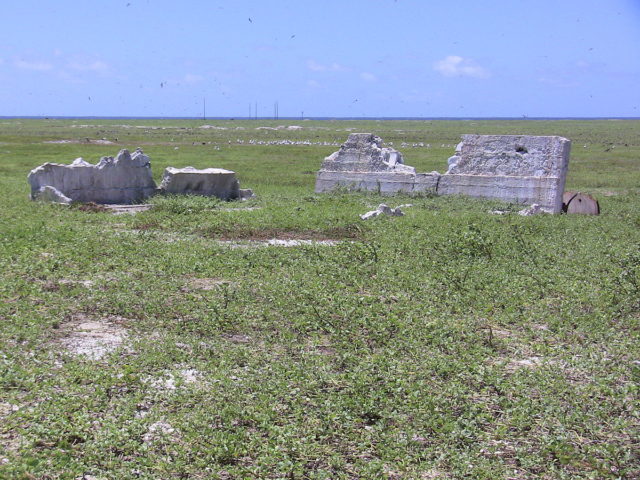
(371, 58)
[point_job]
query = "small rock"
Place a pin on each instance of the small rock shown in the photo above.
(245, 193)
(534, 209)
(382, 209)
(51, 194)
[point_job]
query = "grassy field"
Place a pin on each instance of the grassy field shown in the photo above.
(446, 344)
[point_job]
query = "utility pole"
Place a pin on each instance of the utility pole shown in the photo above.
(204, 108)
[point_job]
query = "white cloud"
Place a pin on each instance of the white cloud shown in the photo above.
(368, 77)
(313, 84)
(37, 66)
(96, 66)
(455, 66)
(319, 67)
(191, 78)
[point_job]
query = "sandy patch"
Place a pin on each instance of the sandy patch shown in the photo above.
(277, 242)
(93, 338)
(160, 431)
(127, 209)
(238, 338)
(170, 381)
(9, 442)
(529, 362)
(102, 141)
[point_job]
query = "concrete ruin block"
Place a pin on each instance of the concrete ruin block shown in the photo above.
(363, 164)
(125, 179)
(209, 182)
(512, 168)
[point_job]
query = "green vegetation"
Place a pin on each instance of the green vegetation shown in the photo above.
(448, 343)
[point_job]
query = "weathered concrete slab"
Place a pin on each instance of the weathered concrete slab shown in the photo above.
(210, 182)
(512, 168)
(381, 182)
(524, 190)
(125, 179)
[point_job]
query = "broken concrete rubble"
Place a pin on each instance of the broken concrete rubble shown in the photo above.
(51, 194)
(531, 210)
(513, 168)
(383, 209)
(124, 179)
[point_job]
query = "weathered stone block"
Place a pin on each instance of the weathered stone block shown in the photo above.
(210, 182)
(513, 168)
(362, 152)
(363, 164)
(125, 179)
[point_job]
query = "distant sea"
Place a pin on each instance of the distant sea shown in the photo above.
(312, 118)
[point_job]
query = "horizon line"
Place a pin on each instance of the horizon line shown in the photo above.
(127, 117)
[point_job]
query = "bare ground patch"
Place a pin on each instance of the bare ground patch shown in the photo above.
(92, 338)
(169, 381)
(101, 141)
(205, 284)
(128, 209)
(9, 441)
(348, 232)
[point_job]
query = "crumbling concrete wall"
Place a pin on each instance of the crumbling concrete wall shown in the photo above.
(363, 164)
(513, 168)
(124, 179)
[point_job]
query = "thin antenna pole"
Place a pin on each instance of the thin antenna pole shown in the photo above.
(204, 108)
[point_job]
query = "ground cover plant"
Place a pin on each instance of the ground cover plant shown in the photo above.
(449, 343)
